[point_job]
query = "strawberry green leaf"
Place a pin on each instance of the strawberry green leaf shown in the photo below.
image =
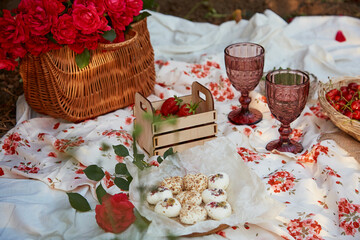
(78, 202)
(94, 172)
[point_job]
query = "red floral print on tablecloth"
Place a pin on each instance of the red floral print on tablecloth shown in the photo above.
(202, 70)
(1, 172)
(248, 155)
(161, 63)
(317, 110)
(52, 154)
(296, 134)
(349, 217)
(63, 144)
(330, 172)
(11, 143)
(247, 131)
(222, 90)
(282, 181)
(304, 228)
(27, 167)
(312, 156)
(80, 168)
(221, 233)
(121, 134)
(108, 180)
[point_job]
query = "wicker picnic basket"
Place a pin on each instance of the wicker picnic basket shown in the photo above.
(350, 126)
(54, 85)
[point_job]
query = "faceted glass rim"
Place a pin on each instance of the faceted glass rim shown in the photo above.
(289, 71)
(245, 44)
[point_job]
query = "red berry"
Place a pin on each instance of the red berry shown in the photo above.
(170, 106)
(356, 115)
(355, 105)
(353, 86)
(187, 109)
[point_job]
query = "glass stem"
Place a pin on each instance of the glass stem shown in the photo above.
(245, 101)
(285, 131)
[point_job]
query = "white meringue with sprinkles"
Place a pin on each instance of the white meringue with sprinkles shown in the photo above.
(214, 195)
(218, 180)
(191, 214)
(218, 210)
(153, 197)
(196, 182)
(189, 197)
(175, 184)
(169, 207)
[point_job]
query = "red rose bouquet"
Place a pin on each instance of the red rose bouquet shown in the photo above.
(38, 26)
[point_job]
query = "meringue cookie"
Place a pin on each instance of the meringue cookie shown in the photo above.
(170, 207)
(218, 210)
(219, 180)
(197, 182)
(214, 195)
(191, 214)
(158, 194)
(189, 197)
(175, 184)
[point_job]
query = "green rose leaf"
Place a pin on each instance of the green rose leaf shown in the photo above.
(141, 16)
(78, 202)
(121, 150)
(122, 183)
(168, 152)
(110, 35)
(121, 168)
(83, 59)
(100, 192)
(93, 172)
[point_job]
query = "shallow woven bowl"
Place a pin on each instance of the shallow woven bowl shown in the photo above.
(348, 125)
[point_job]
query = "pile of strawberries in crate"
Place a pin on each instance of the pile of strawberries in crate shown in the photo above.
(175, 106)
(346, 100)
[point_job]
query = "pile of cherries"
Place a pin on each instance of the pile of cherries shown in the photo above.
(346, 100)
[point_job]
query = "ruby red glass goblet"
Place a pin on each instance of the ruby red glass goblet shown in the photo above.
(244, 64)
(286, 92)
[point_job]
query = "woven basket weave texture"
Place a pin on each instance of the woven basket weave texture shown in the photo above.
(350, 126)
(54, 85)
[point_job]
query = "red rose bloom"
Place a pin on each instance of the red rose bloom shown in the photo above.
(37, 45)
(134, 7)
(115, 214)
(12, 28)
(87, 20)
(8, 64)
(98, 4)
(115, 6)
(77, 47)
(64, 30)
(120, 21)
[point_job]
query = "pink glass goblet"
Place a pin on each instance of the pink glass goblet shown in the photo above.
(286, 92)
(244, 64)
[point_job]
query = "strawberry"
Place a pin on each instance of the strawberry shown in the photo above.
(187, 109)
(170, 106)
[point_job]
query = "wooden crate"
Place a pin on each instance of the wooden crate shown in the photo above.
(189, 131)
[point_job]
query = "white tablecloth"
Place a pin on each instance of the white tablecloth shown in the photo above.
(41, 158)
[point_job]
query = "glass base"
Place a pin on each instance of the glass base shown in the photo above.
(253, 116)
(293, 147)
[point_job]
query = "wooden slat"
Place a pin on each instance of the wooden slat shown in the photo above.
(185, 122)
(182, 147)
(184, 135)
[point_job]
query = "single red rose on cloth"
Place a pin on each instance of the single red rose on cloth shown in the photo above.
(87, 19)
(115, 214)
(64, 30)
(12, 29)
(340, 37)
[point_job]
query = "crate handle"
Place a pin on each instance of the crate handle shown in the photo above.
(143, 104)
(208, 103)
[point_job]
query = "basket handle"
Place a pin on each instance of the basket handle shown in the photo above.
(203, 95)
